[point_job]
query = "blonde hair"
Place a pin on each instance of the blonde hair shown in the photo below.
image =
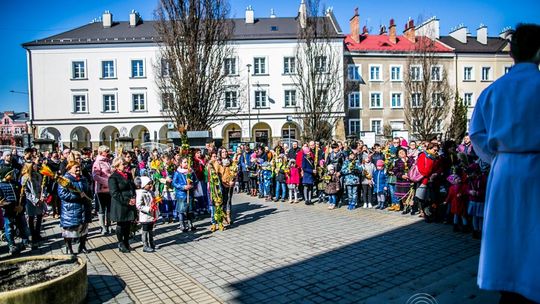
(102, 149)
(73, 156)
(72, 164)
(117, 162)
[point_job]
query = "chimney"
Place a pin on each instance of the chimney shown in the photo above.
(107, 19)
(272, 13)
(429, 28)
(134, 18)
(506, 33)
(302, 14)
(382, 30)
(482, 34)
(392, 32)
(459, 33)
(354, 25)
(409, 31)
(250, 18)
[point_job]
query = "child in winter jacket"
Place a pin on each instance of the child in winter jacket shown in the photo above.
(352, 174)
(367, 181)
(331, 181)
(279, 173)
(477, 198)
(148, 211)
(293, 180)
(457, 198)
(380, 184)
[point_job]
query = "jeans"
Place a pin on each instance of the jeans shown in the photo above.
(392, 189)
(332, 198)
(281, 188)
(19, 221)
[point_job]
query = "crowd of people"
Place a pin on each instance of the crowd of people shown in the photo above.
(138, 189)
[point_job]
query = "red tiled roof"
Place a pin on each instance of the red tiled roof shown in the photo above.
(381, 43)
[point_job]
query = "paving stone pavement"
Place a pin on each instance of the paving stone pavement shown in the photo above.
(288, 253)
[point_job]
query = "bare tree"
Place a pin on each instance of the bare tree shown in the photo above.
(195, 43)
(319, 72)
(428, 90)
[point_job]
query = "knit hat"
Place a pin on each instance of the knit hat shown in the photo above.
(5, 171)
(330, 167)
(380, 163)
(145, 180)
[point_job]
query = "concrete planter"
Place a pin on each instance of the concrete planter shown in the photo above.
(67, 289)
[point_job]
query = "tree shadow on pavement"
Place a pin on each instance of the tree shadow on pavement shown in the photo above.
(102, 288)
(355, 272)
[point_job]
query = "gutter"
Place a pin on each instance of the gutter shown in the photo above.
(30, 92)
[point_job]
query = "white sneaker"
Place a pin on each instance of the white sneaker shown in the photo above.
(370, 205)
(365, 205)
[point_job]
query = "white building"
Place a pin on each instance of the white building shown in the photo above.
(96, 83)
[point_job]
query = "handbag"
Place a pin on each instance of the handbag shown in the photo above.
(414, 174)
(198, 191)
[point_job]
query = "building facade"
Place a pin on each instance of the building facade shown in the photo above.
(13, 127)
(97, 83)
(377, 64)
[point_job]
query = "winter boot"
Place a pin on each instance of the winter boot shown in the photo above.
(101, 219)
(82, 245)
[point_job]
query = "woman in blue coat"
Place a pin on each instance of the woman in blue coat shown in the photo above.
(184, 180)
(76, 209)
(308, 175)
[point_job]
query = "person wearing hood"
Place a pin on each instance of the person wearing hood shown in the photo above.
(148, 211)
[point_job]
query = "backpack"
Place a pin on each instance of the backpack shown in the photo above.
(414, 175)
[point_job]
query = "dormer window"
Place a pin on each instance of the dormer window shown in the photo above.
(274, 28)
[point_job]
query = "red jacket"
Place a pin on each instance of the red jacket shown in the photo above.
(425, 167)
(458, 198)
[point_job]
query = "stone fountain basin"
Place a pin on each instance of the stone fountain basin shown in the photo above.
(69, 288)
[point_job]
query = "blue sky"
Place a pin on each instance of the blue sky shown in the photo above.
(23, 21)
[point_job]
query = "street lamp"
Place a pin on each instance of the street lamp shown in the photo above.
(289, 119)
(249, 102)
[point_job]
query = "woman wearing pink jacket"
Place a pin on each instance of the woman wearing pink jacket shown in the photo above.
(101, 170)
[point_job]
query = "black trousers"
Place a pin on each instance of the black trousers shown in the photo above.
(122, 232)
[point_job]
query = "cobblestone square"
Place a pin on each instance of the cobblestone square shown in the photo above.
(286, 253)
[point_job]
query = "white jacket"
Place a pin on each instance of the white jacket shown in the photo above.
(144, 199)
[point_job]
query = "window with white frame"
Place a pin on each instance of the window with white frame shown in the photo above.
(138, 102)
(468, 73)
(261, 100)
(486, 73)
(436, 100)
(107, 69)
(375, 73)
(354, 100)
(290, 98)
(79, 104)
(416, 72)
(375, 100)
(395, 73)
(355, 126)
(231, 99)
(78, 70)
(165, 68)
(416, 100)
(166, 101)
(321, 64)
(259, 65)
(415, 125)
(396, 99)
(438, 126)
(376, 126)
(436, 73)
(230, 66)
(109, 103)
(468, 99)
(289, 65)
(137, 68)
(353, 72)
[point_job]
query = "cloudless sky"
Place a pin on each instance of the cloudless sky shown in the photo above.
(26, 20)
